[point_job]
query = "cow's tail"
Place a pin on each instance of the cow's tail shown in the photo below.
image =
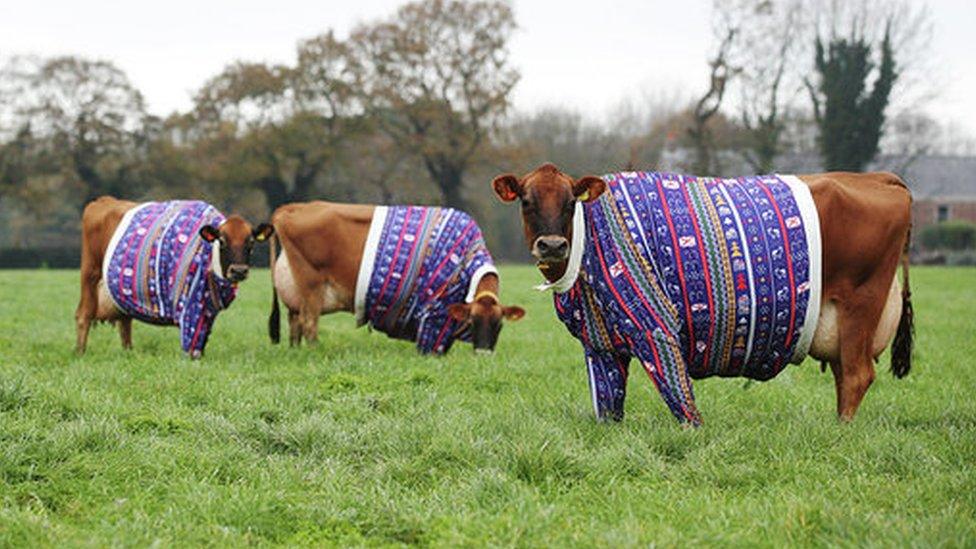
(901, 348)
(274, 321)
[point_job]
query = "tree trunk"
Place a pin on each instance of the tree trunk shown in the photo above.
(450, 185)
(448, 179)
(94, 186)
(304, 180)
(702, 165)
(274, 191)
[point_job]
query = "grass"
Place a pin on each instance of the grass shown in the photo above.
(359, 441)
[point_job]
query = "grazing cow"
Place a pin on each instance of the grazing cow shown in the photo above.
(698, 277)
(416, 273)
(157, 262)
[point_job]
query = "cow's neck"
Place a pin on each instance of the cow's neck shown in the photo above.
(221, 289)
(562, 275)
(488, 283)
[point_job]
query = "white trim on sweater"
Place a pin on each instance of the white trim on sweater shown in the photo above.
(479, 273)
(575, 255)
(811, 226)
(114, 243)
(215, 267)
(368, 262)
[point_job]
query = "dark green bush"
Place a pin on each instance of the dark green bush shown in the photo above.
(950, 235)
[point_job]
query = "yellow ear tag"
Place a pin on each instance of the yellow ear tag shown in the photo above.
(260, 237)
(584, 197)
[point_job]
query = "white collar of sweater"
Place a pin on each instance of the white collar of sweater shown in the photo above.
(566, 281)
(215, 265)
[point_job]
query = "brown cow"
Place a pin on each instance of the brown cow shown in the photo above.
(864, 221)
(178, 241)
(322, 270)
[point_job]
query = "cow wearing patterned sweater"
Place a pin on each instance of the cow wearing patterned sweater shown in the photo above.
(166, 263)
(698, 277)
(421, 274)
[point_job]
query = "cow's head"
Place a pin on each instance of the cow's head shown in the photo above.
(232, 242)
(548, 198)
(484, 316)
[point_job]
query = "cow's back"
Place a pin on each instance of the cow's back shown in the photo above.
(423, 259)
(864, 218)
(733, 258)
(322, 249)
(98, 223)
(157, 258)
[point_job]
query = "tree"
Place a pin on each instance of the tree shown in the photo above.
(87, 111)
(766, 54)
(850, 117)
(293, 119)
(436, 78)
(699, 131)
(379, 169)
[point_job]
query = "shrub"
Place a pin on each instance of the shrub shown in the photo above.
(950, 235)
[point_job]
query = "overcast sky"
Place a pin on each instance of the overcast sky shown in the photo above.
(581, 54)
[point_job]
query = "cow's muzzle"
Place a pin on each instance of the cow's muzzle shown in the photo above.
(550, 248)
(237, 272)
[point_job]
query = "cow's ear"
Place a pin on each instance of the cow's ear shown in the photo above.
(588, 188)
(209, 233)
(263, 232)
(513, 313)
(459, 311)
(507, 187)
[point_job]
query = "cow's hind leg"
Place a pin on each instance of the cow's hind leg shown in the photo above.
(125, 331)
(88, 304)
(310, 311)
(294, 328)
(855, 372)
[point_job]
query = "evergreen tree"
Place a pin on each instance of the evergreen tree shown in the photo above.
(849, 117)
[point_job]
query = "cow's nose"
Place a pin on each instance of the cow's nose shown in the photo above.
(237, 272)
(552, 247)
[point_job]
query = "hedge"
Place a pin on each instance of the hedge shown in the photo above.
(950, 235)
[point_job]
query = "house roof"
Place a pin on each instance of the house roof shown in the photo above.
(930, 177)
(938, 177)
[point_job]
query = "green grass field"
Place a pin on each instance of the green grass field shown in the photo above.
(360, 441)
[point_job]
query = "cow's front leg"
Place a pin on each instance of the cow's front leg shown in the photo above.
(435, 334)
(660, 354)
(607, 373)
(194, 333)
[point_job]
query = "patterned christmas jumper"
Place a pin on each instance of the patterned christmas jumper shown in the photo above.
(417, 261)
(693, 277)
(159, 269)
